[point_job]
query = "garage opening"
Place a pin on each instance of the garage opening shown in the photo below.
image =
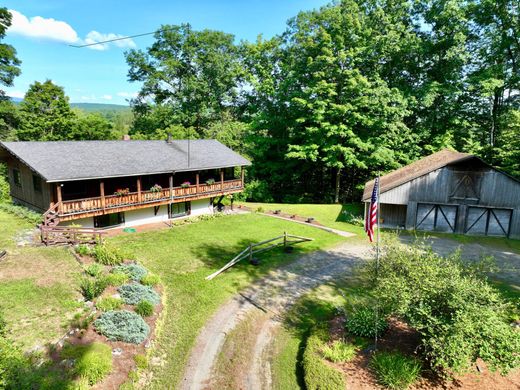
(436, 217)
(488, 221)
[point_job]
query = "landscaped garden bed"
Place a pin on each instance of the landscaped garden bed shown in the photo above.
(122, 315)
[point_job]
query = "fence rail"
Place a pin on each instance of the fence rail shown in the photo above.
(69, 235)
(250, 251)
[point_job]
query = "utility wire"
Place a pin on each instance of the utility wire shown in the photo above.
(119, 39)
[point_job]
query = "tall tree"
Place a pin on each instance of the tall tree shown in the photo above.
(9, 69)
(45, 113)
(190, 78)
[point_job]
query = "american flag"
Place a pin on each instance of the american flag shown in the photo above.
(371, 217)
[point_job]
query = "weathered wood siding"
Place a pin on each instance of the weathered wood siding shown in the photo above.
(461, 185)
(25, 194)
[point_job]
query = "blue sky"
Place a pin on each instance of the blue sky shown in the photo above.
(42, 31)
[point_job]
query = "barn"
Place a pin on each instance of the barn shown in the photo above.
(450, 192)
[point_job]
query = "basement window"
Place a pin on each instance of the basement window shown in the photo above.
(17, 177)
(37, 183)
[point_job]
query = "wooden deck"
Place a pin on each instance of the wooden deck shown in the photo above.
(89, 207)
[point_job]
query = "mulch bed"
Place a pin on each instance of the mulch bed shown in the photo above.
(291, 217)
(402, 338)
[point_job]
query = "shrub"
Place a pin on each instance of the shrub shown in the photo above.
(3, 325)
(395, 370)
(141, 361)
(107, 255)
(317, 374)
(132, 294)
(339, 351)
(92, 361)
(92, 288)
(13, 366)
(144, 309)
(109, 303)
(94, 269)
(150, 279)
(122, 325)
(134, 271)
(22, 212)
(83, 250)
(362, 322)
(116, 279)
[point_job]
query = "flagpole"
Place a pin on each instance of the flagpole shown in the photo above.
(377, 252)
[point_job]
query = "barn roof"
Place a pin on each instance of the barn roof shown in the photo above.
(59, 161)
(416, 169)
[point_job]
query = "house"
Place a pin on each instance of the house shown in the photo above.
(99, 184)
(450, 192)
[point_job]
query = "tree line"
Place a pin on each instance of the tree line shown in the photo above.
(351, 89)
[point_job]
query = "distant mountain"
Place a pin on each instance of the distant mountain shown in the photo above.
(97, 107)
(89, 107)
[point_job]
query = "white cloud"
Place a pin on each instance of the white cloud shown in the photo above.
(60, 31)
(42, 28)
(16, 94)
(95, 36)
(107, 97)
(127, 94)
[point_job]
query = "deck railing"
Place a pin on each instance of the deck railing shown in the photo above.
(80, 206)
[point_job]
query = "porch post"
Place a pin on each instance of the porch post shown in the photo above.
(139, 195)
(242, 175)
(58, 194)
(221, 180)
(197, 181)
(171, 187)
(102, 193)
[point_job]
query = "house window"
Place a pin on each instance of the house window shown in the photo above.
(37, 183)
(179, 209)
(108, 220)
(17, 177)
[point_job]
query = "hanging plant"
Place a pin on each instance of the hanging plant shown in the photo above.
(210, 181)
(122, 191)
(156, 188)
(186, 184)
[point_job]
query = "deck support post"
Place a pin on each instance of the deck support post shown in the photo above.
(197, 181)
(171, 187)
(221, 180)
(58, 195)
(102, 193)
(139, 194)
(242, 174)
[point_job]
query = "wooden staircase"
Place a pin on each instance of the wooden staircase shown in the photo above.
(52, 234)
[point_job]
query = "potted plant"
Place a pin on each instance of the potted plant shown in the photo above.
(210, 181)
(122, 192)
(156, 188)
(186, 184)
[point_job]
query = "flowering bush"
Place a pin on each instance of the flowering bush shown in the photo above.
(186, 184)
(122, 191)
(156, 188)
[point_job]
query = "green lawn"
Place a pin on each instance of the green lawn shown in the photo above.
(38, 287)
(183, 256)
(331, 215)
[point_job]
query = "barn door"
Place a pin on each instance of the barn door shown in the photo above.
(488, 221)
(436, 217)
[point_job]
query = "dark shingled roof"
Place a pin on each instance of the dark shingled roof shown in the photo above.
(75, 160)
(416, 169)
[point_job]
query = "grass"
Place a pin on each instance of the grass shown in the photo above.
(330, 215)
(183, 256)
(286, 371)
(394, 370)
(339, 351)
(38, 287)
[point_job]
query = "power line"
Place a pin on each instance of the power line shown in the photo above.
(119, 39)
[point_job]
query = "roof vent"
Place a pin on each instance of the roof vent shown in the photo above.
(169, 140)
(125, 137)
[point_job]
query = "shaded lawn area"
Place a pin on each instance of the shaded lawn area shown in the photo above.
(183, 256)
(330, 215)
(38, 287)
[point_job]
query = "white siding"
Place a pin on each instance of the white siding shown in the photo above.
(147, 215)
(83, 222)
(202, 206)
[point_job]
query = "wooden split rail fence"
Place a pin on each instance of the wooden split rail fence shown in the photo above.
(69, 235)
(285, 239)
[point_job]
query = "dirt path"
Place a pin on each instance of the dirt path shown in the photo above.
(267, 297)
